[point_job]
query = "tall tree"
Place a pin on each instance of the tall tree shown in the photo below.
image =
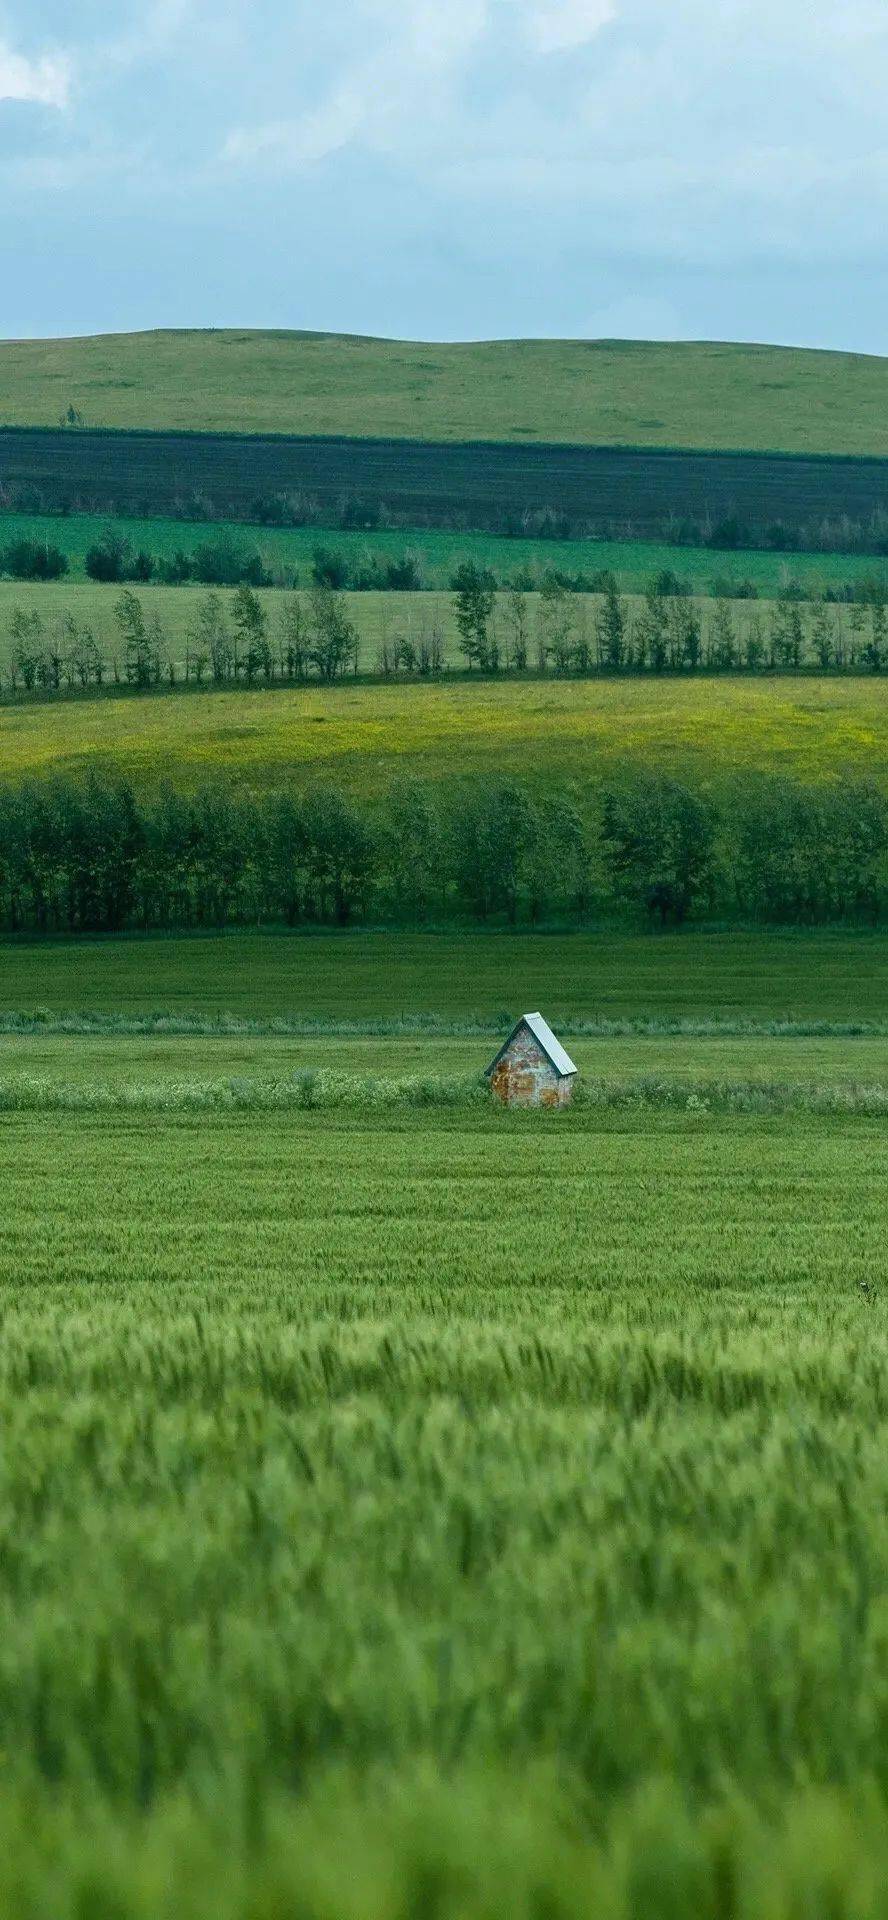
(474, 595)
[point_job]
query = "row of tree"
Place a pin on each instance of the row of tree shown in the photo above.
(83, 857)
(226, 644)
(238, 640)
(668, 631)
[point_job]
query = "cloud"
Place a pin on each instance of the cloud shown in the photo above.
(560, 25)
(46, 82)
(390, 94)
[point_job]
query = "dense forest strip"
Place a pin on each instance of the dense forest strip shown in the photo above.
(92, 857)
(613, 492)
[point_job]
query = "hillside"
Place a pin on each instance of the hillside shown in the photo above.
(604, 393)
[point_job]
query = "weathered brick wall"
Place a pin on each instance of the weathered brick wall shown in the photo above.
(525, 1078)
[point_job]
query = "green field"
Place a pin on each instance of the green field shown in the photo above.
(364, 978)
(602, 393)
(362, 736)
(444, 1514)
(440, 1510)
(286, 551)
(736, 1060)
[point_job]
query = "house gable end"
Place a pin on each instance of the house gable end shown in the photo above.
(540, 1035)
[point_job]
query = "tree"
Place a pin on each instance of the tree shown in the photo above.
(411, 850)
(515, 616)
(557, 623)
(824, 636)
(252, 653)
(611, 626)
(209, 640)
(107, 559)
(723, 643)
(754, 644)
(474, 595)
(334, 640)
(341, 854)
(494, 834)
(653, 628)
(659, 844)
(84, 655)
(138, 656)
(689, 635)
(26, 636)
(874, 649)
(294, 637)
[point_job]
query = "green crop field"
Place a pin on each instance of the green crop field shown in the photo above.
(445, 1512)
(411, 1507)
(591, 392)
(362, 735)
(289, 551)
(834, 977)
(134, 1060)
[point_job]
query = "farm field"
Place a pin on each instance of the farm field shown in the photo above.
(444, 1512)
(357, 979)
(362, 736)
(598, 392)
(290, 550)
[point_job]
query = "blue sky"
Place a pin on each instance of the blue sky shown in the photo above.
(449, 170)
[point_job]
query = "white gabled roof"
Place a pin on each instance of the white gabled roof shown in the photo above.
(542, 1032)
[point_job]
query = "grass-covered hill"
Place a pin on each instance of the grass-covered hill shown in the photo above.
(592, 392)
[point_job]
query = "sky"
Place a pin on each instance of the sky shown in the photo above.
(447, 169)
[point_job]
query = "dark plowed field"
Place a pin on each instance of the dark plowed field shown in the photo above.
(603, 490)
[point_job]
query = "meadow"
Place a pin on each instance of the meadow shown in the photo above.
(589, 392)
(704, 729)
(442, 1514)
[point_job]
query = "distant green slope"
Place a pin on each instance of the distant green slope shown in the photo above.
(594, 392)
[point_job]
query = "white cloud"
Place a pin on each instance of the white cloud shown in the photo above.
(560, 25)
(46, 81)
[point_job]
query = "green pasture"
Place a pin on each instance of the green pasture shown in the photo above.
(599, 392)
(454, 1513)
(361, 978)
(286, 551)
(362, 736)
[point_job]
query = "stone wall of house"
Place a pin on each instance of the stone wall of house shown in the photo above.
(524, 1077)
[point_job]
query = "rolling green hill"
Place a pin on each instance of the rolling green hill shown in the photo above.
(605, 393)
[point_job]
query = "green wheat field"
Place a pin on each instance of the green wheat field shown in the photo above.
(410, 1508)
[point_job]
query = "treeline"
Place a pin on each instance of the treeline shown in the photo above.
(225, 645)
(94, 857)
(224, 561)
(667, 631)
(242, 640)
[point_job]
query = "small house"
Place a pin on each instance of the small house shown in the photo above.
(532, 1068)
